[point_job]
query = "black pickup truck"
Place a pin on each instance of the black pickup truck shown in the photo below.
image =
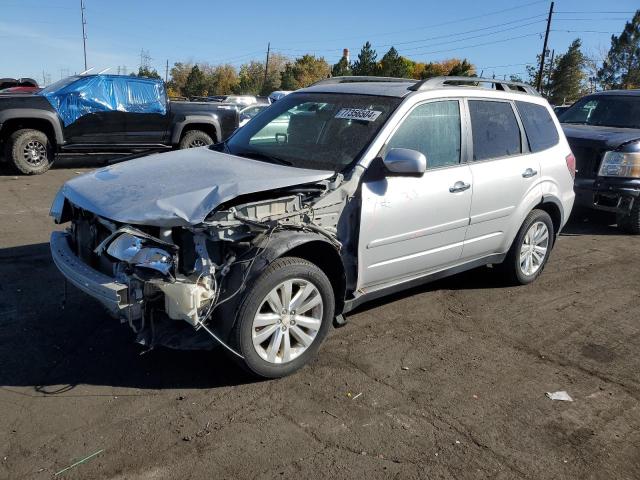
(603, 130)
(101, 114)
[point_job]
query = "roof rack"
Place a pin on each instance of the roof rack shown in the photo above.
(362, 79)
(504, 85)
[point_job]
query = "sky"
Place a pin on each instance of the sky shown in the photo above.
(43, 38)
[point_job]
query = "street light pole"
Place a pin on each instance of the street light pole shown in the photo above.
(84, 35)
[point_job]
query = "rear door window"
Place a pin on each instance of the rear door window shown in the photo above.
(538, 125)
(495, 130)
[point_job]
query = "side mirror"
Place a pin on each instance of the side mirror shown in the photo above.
(405, 161)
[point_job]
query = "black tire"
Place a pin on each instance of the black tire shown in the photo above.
(280, 270)
(511, 266)
(195, 138)
(630, 223)
(30, 151)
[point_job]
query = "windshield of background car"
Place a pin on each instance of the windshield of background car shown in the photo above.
(606, 110)
(314, 130)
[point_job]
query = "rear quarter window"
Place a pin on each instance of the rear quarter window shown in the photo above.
(538, 125)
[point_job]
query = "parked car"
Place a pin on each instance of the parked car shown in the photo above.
(103, 113)
(278, 94)
(17, 82)
(247, 113)
(603, 130)
(364, 186)
(21, 89)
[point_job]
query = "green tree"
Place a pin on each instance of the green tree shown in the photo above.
(462, 69)
(621, 69)
(223, 80)
(277, 64)
(567, 78)
(393, 65)
(304, 71)
(342, 68)
(251, 78)
(148, 72)
(179, 73)
(366, 63)
(195, 84)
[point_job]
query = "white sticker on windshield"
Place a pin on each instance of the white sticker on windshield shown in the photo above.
(358, 114)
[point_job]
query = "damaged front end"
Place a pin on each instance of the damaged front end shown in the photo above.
(179, 286)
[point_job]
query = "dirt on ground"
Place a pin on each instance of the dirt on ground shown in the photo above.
(440, 382)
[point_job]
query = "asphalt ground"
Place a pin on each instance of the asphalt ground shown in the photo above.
(443, 381)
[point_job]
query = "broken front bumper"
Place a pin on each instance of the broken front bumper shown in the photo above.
(113, 295)
(608, 194)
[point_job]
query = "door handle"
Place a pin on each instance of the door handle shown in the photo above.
(459, 186)
(529, 172)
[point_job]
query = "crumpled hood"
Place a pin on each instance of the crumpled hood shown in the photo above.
(178, 188)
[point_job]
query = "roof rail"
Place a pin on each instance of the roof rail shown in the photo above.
(441, 82)
(361, 79)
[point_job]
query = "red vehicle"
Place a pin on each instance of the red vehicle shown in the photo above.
(20, 89)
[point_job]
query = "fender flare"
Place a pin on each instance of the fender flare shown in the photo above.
(178, 127)
(34, 113)
(280, 243)
(549, 198)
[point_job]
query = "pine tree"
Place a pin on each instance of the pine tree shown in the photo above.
(567, 78)
(341, 68)
(366, 63)
(622, 67)
(393, 65)
(195, 84)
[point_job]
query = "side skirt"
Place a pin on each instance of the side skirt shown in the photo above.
(383, 291)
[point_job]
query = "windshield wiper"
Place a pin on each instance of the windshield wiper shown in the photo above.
(264, 157)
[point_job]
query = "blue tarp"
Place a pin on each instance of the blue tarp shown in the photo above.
(102, 93)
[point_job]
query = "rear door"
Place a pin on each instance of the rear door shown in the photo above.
(412, 225)
(504, 175)
(145, 105)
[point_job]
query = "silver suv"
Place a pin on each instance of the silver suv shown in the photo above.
(339, 193)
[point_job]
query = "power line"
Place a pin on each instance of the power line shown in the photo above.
(482, 44)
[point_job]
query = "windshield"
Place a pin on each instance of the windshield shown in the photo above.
(57, 85)
(605, 110)
(314, 130)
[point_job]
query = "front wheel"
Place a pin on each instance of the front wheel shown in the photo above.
(284, 317)
(195, 139)
(530, 249)
(30, 151)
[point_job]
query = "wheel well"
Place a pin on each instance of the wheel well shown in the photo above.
(328, 260)
(205, 127)
(554, 212)
(15, 124)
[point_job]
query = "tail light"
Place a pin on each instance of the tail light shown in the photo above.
(571, 164)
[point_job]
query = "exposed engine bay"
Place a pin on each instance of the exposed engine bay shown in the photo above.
(179, 278)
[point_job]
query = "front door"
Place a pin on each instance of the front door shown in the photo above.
(412, 225)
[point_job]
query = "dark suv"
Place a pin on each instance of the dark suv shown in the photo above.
(603, 130)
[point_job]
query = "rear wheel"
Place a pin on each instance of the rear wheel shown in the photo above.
(195, 139)
(284, 317)
(630, 223)
(530, 249)
(30, 151)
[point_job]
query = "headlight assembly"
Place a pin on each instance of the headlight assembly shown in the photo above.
(620, 164)
(131, 249)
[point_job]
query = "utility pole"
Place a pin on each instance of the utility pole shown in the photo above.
(44, 79)
(544, 48)
(84, 35)
(266, 65)
(166, 72)
(553, 54)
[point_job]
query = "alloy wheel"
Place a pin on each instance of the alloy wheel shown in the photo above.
(534, 248)
(287, 321)
(35, 153)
